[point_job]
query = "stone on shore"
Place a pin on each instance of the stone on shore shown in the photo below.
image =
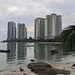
(43, 68)
(32, 60)
(54, 51)
(73, 65)
(38, 64)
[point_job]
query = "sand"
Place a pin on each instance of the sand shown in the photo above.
(68, 67)
(22, 73)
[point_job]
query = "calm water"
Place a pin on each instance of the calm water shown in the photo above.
(21, 54)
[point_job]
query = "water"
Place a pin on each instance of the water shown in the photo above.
(21, 54)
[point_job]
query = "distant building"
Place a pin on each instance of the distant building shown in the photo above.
(22, 31)
(53, 26)
(25, 32)
(11, 35)
(39, 28)
(49, 27)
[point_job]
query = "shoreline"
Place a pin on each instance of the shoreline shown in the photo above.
(65, 66)
(22, 73)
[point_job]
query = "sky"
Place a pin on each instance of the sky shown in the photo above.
(26, 11)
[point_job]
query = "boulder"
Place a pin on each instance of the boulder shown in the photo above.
(32, 60)
(39, 64)
(73, 65)
(21, 69)
(44, 71)
(43, 68)
(54, 51)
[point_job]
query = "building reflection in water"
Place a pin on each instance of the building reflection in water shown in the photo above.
(12, 55)
(21, 51)
(39, 51)
(17, 51)
(42, 51)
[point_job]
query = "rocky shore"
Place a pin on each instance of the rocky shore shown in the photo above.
(43, 68)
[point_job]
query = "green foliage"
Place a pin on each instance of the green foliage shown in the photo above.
(68, 37)
(30, 38)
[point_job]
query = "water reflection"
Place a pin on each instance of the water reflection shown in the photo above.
(39, 50)
(18, 51)
(12, 55)
(21, 51)
(42, 51)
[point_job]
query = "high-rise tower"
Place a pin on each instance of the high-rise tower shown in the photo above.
(11, 31)
(39, 28)
(22, 31)
(53, 26)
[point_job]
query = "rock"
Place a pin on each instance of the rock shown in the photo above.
(48, 70)
(44, 71)
(39, 64)
(67, 63)
(54, 51)
(43, 68)
(73, 65)
(21, 69)
(32, 60)
(59, 71)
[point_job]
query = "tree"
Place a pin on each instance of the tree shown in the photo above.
(30, 38)
(68, 37)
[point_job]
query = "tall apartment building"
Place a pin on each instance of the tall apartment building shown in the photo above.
(39, 28)
(22, 31)
(48, 27)
(53, 26)
(11, 35)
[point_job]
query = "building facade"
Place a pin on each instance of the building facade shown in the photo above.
(49, 27)
(22, 31)
(53, 26)
(39, 28)
(11, 35)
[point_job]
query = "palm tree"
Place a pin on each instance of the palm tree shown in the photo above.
(68, 37)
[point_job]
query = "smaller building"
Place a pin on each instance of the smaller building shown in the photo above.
(22, 31)
(39, 28)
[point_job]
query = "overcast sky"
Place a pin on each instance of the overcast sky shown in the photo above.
(25, 11)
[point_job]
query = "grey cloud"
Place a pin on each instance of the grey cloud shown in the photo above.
(27, 10)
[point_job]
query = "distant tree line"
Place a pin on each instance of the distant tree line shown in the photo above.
(33, 40)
